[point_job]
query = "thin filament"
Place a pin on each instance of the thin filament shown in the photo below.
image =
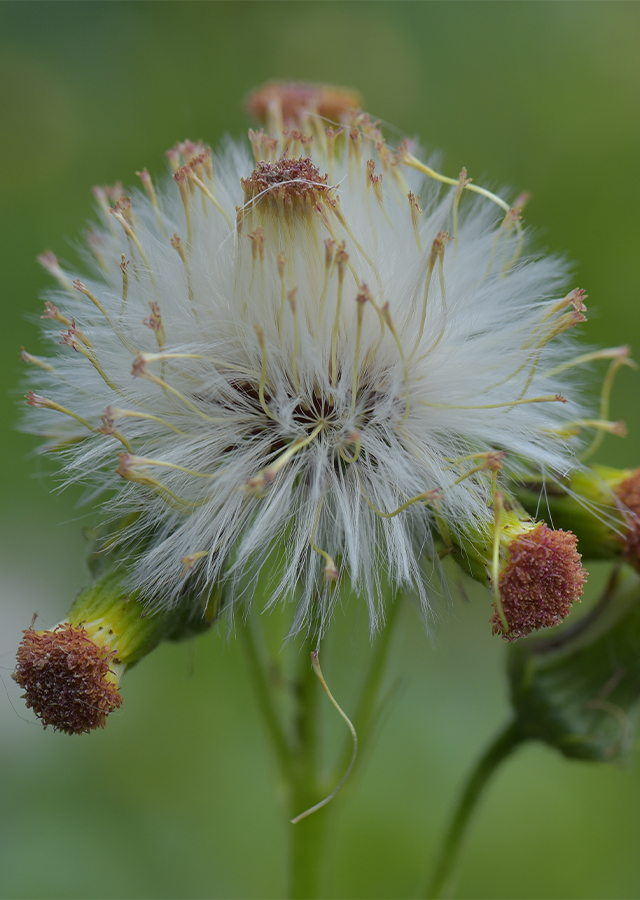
(315, 662)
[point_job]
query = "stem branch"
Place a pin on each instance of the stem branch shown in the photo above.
(501, 747)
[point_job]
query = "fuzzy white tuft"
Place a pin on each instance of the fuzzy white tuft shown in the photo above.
(288, 358)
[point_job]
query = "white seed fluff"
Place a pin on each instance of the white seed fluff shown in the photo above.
(277, 353)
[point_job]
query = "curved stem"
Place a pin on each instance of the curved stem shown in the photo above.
(501, 747)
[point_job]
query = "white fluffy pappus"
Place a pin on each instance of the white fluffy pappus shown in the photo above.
(315, 353)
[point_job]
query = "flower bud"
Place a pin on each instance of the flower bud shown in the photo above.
(578, 692)
(292, 102)
(71, 672)
(602, 506)
(533, 571)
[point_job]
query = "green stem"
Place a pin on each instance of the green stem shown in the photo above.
(308, 834)
(299, 759)
(306, 837)
(501, 747)
(367, 702)
(305, 847)
(260, 680)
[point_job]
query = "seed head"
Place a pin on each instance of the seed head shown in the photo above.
(284, 349)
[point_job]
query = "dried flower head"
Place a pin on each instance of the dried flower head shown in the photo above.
(292, 101)
(535, 573)
(71, 673)
(306, 352)
(541, 580)
(70, 682)
(628, 493)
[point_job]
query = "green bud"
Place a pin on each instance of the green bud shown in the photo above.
(601, 506)
(578, 692)
(533, 572)
(71, 672)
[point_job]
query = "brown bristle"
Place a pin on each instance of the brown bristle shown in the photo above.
(286, 178)
(294, 100)
(541, 580)
(67, 679)
(628, 492)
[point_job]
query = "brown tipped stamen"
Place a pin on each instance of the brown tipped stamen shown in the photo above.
(414, 208)
(154, 322)
(49, 261)
(541, 580)
(67, 678)
(463, 181)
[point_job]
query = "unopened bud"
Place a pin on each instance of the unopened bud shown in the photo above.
(601, 505)
(536, 578)
(540, 579)
(292, 101)
(71, 673)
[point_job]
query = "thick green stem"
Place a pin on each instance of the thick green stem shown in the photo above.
(298, 752)
(305, 847)
(297, 759)
(501, 747)
(306, 837)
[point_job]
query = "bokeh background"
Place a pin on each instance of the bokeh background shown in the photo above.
(177, 797)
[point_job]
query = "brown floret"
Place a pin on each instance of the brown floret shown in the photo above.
(294, 99)
(628, 492)
(287, 180)
(542, 579)
(67, 678)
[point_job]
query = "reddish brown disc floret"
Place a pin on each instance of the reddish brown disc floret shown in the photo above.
(542, 579)
(628, 492)
(286, 178)
(67, 678)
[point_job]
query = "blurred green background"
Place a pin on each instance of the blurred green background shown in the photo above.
(176, 797)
